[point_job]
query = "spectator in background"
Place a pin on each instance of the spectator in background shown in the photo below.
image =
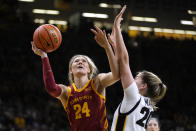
(153, 124)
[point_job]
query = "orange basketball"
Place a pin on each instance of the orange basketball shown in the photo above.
(47, 37)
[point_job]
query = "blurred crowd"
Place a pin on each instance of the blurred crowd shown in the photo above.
(26, 106)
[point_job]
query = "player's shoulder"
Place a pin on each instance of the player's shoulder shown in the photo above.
(99, 76)
(66, 90)
(132, 90)
(132, 85)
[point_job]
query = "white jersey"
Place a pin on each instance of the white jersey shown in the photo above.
(133, 112)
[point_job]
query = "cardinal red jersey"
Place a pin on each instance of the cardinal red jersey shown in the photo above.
(86, 109)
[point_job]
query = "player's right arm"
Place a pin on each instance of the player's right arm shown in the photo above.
(121, 51)
(106, 79)
(131, 92)
(58, 91)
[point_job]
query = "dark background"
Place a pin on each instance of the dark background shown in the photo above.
(26, 106)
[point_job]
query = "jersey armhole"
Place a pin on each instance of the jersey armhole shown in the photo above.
(92, 85)
(131, 110)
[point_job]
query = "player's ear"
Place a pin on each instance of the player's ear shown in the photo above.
(70, 70)
(88, 70)
(144, 86)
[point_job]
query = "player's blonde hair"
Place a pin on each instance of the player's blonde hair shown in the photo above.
(155, 88)
(92, 66)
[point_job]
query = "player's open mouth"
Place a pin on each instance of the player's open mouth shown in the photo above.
(80, 67)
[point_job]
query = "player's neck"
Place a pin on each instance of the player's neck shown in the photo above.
(80, 81)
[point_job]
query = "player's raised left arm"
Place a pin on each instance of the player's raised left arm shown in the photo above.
(49, 82)
(107, 79)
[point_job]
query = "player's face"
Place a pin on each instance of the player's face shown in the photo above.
(80, 66)
(152, 125)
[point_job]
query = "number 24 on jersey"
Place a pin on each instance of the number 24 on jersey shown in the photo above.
(81, 109)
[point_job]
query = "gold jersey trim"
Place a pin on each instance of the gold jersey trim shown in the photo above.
(116, 123)
(79, 90)
(68, 95)
(125, 123)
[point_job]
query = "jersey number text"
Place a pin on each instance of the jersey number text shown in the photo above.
(146, 117)
(81, 109)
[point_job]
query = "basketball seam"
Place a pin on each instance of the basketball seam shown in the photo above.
(58, 34)
(40, 40)
(49, 36)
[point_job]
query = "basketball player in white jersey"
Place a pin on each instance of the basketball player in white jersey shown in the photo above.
(140, 93)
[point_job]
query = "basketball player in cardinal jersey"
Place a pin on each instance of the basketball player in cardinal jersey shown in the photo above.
(140, 94)
(84, 100)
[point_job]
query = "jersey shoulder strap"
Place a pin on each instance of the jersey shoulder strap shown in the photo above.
(136, 105)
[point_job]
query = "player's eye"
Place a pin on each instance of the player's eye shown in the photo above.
(77, 60)
(84, 60)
